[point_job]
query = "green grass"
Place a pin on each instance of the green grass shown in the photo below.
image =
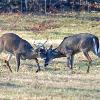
(54, 82)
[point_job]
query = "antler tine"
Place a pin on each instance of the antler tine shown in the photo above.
(45, 41)
(34, 44)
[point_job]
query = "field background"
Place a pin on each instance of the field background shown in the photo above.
(53, 83)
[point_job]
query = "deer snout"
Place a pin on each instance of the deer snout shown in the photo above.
(32, 55)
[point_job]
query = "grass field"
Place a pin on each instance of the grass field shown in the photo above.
(54, 82)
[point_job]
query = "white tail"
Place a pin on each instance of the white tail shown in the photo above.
(95, 46)
(99, 48)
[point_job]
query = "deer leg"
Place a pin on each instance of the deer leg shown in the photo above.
(9, 58)
(18, 61)
(70, 62)
(89, 59)
(7, 62)
(37, 65)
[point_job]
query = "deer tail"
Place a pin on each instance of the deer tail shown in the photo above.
(96, 45)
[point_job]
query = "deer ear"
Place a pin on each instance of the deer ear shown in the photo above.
(51, 47)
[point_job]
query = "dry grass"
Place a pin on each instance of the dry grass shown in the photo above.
(53, 27)
(53, 83)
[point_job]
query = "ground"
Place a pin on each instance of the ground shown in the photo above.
(54, 82)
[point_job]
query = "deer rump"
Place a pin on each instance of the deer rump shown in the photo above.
(21, 48)
(71, 45)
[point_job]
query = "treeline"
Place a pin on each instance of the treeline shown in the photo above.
(48, 6)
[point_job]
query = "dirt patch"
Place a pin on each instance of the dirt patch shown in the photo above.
(50, 24)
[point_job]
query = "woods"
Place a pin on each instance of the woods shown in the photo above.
(48, 6)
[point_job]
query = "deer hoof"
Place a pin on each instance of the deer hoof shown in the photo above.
(87, 72)
(37, 70)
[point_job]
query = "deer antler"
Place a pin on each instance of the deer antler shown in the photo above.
(45, 41)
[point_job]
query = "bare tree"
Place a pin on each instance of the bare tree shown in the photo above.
(45, 6)
(26, 5)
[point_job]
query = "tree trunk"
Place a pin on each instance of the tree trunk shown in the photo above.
(26, 6)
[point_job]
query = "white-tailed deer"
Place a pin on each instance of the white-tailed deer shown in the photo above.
(19, 47)
(83, 42)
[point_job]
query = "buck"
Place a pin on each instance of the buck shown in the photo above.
(19, 47)
(71, 45)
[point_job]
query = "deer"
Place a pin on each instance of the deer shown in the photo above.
(71, 45)
(20, 48)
